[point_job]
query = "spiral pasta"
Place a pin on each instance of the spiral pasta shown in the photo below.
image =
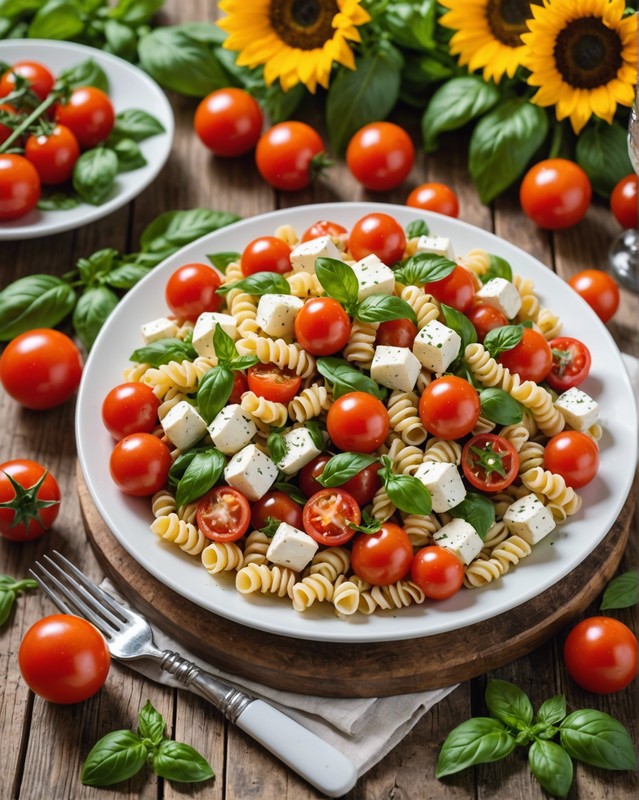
(563, 500)
(446, 451)
(477, 261)
(330, 563)
(287, 233)
(425, 306)
(186, 536)
(182, 376)
(277, 351)
(310, 589)
(304, 284)
(163, 503)
(345, 596)
(507, 553)
(404, 417)
(516, 434)
(309, 403)
(267, 411)
(549, 324)
(420, 528)
(255, 547)
(262, 578)
(361, 345)
(396, 595)
(529, 302)
(222, 557)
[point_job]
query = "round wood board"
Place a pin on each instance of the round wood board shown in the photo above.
(357, 670)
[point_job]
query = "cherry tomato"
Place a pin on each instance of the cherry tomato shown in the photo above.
(286, 153)
(322, 326)
(266, 254)
(240, 385)
(531, 359)
(223, 514)
(5, 130)
(489, 462)
(357, 421)
(25, 517)
(601, 655)
(323, 228)
(485, 318)
(434, 197)
(64, 659)
(570, 363)
(40, 79)
(574, 456)
(89, 114)
(384, 557)
(379, 234)
(278, 506)
(273, 383)
(380, 156)
(140, 464)
(53, 155)
(396, 333)
(191, 290)
(456, 290)
(599, 290)
(438, 572)
(449, 407)
(229, 122)
(624, 203)
(130, 408)
(41, 368)
(362, 486)
(327, 516)
(19, 186)
(555, 193)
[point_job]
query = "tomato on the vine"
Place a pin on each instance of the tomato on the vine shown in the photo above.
(191, 290)
(485, 318)
(574, 456)
(437, 571)
(19, 186)
(531, 359)
(224, 514)
(324, 227)
(328, 516)
(37, 75)
(555, 193)
(228, 122)
(434, 197)
(322, 326)
(383, 557)
(130, 408)
(456, 290)
(276, 506)
(140, 464)
(357, 421)
(378, 234)
(89, 113)
(266, 254)
(288, 154)
(273, 383)
(571, 361)
(362, 486)
(624, 201)
(5, 130)
(29, 500)
(53, 155)
(449, 407)
(380, 156)
(396, 333)
(601, 655)
(599, 290)
(489, 462)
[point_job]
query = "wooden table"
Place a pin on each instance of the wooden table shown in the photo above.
(42, 746)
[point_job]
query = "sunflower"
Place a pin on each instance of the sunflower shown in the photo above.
(583, 56)
(488, 34)
(297, 41)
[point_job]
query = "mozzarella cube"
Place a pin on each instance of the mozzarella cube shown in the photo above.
(395, 367)
(439, 245)
(502, 295)
(373, 277)
(276, 314)
(163, 328)
(436, 346)
(205, 328)
(444, 483)
(461, 538)
(303, 256)
(578, 409)
(251, 472)
(300, 449)
(232, 429)
(290, 547)
(529, 518)
(184, 425)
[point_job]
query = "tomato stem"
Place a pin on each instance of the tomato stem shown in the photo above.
(51, 98)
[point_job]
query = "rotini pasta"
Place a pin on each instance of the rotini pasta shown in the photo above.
(186, 536)
(404, 417)
(361, 346)
(222, 557)
(310, 403)
(277, 351)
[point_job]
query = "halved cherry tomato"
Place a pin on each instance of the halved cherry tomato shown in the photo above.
(624, 201)
(324, 227)
(89, 113)
(449, 407)
(29, 513)
(286, 154)
(266, 254)
(240, 385)
(53, 155)
(570, 363)
(384, 557)
(40, 79)
(531, 359)
(601, 655)
(434, 197)
(380, 156)
(574, 456)
(140, 464)
(357, 421)
(489, 462)
(191, 290)
(362, 486)
(322, 326)
(378, 234)
(438, 572)
(396, 333)
(327, 516)
(229, 122)
(223, 514)
(273, 383)
(277, 506)
(599, 290)
(456, 290)
(485, 318)
(130, 408)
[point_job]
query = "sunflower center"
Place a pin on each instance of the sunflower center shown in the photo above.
(305, 24)
(507, 19)
(587, 53)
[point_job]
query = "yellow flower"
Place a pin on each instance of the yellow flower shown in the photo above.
(488, 34)
(583, 56)
(297, 41)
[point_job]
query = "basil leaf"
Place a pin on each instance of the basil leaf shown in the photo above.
(259, 283)
(135, 12)
(504, 338)
(58, 201)
(7, 600)
(552, 767)
(507, 702)
(406, 492)
(180, 762)
(35, 301)
(94, 175)
(201, 475)
(345, 378)
(136, 125)
(602, 152)
(61, 20)
(622, 591)
(597, 739)
(96, 265)
(478, 511)
(317, 431)
(460, 324)
(277, 446)
(92, 311)
(343, 467)
(500, 407)
(424, 268)
(181, 463)
(552, 710)
(223, 345)
(87, 73)
(120, 40)
(411, 24)
(498, 267)
(116, 757)
(126, 275)
(214, 391)
(151, 723)
(129, 155)
(222, 260)
(291, 490)
(417, 227)
(383, 307)
(242, 362)
(173, 229)
(477, 741)
(162, 351)
(338, 279)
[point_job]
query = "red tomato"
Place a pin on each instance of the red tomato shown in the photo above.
(456, 290)
(53, 155)
(278, 506)
(449, 407)
(286, 154)
(357, 421)
(89, 114)
(384, 557)
(362, 486)
(570, 363)
(5, 130)
(438, 572)
(322, 326)
(489, 462)
(266, 254)
(40, 79)
(140, 464)
(574, 456)
(64, 659)
(229, 122)
(379, 234)
(240, 385)
(599, 290)
(223, 514)
(273, 383)
(41, 368)
(485, 318)
(191, 290)
(380, 156)
(601, 655)
(19, 186)
(396, 333)
(130, 408)
(323, 228)
(434, 197)
(555, 193)
(26, 517)
(624, 203)
(531, 359)
(327, 516)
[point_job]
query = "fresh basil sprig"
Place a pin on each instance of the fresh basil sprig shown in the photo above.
(341, 468)
(222, 260)
(161, 351)
(417, 227)
(9, 590)
(258, 284)
(406, 492)
(424, 268)
(317, 431)
(500, 407)
(344, 378)
(201, 474)
(477, 510)
(498, 267)
(622, 591)
(291, 490)
(504, 338)
(276, 446)
(214, 391)
(226, 351)
(35, 301)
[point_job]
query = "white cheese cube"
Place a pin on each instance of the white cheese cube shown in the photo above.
(461, 538)
(529, 518)
(205, 327)
(444, 483)
(303, 256)
(579, 409)
(436, 346)
(251, 472)
(232, 429)
(395, 367)
(163, 328)
(276, 314)
(300, 449)
(439, 245)
(502, 295)
(183, 425)
(373, 276)
(290, 547)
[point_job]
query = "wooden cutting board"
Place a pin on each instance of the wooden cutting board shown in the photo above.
(357, 670)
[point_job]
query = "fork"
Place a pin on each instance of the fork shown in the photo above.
(129, 637)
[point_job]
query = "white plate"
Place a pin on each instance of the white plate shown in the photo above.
(129, 518)
(129, 87)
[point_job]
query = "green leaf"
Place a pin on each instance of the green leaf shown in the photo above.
(180, 762)
(411, 24)
(57, 19)
(181, 463)
(92, 311)
(258, 284)
(162, 351)
(342, 467)
(115, 757)
(7, 600)
(504, 338)
(384, 307)
(338, 279)
(602, 152)
(278, 104)
(552, 767)
(120, 40)
(135, 12)
(460, 323)
(174, 229)
(58, 201)
(345, 378)
(87, 73)
(126, 275)
(291, 490)
(151, 723)
(94, 175)
(222, 260)
(424, 268)
(129, 155)
(417, 227)
(317, 431)
(14, 8)
(406, 492)
(214, 391)
(135, 124)
(277, 446)
(201, 475)
(597, 739)
(35, 301)
(500, 407)
(498, 267)
(552, 710)
(506, 702)
(223, 345)
(477, 510)
(477, 741)
(622, 591)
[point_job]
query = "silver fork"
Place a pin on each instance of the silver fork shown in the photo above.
(130, 637)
